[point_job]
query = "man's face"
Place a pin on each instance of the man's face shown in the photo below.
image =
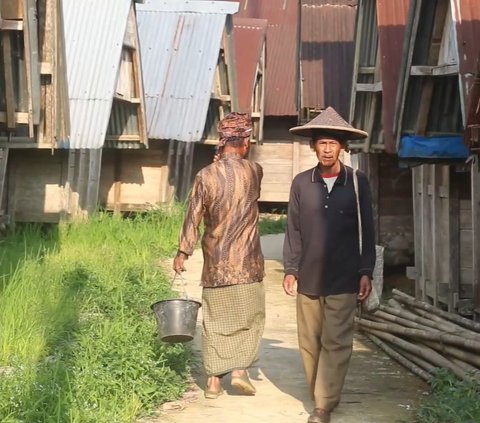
(327, 151)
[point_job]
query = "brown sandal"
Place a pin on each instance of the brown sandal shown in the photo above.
(211, 394)
(243, 384)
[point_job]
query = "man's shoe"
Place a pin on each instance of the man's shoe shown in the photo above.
(243, 385)
(319, 415)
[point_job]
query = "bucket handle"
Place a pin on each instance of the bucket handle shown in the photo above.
(183, 284)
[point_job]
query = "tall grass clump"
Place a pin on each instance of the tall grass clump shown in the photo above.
(77, 336)
(451, 401)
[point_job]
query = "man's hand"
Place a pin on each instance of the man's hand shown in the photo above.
(178, 262)
(365, 288)
(289, 285)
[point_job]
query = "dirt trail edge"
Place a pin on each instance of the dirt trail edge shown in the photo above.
(377, 389)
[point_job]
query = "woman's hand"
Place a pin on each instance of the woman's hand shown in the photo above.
(178, 262)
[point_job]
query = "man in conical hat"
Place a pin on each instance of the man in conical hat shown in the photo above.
(323, 264)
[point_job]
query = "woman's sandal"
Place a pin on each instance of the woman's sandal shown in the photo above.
(212, 394)
(243, 384)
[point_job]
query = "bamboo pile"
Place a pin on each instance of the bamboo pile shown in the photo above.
(424, 338)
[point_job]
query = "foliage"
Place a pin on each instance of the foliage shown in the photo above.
(272, 224)
(452, 401)
(77, 337)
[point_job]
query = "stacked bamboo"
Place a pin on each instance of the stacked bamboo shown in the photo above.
(424, 338)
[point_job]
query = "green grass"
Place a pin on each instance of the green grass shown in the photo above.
(451, 401)
(77, 337)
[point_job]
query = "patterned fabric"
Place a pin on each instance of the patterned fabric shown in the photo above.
(225, 196)
(233, 323)
(234, 126)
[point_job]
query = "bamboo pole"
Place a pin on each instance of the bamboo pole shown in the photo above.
(441, 321)
(422, 351)
(422, 334)
(392, 302)
(462, 321)
(455, 352)
(446, 327)
(468, 368)
(400, 358)
(402, 321)
(420, 362)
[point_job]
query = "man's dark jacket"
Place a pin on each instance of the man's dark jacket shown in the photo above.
(321, 246)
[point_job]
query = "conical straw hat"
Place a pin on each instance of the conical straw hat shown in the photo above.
(329, 123)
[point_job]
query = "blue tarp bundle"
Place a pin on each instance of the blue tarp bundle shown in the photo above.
(440, 147)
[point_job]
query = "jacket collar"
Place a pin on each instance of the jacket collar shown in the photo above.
(342, 178)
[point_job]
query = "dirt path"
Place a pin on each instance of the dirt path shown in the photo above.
(377, 390)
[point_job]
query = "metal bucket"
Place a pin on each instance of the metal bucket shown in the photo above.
(176, 319)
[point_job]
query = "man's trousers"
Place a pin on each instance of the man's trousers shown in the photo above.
(325, 338)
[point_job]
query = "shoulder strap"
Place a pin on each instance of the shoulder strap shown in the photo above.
(359, 215)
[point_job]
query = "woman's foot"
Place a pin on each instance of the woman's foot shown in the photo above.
(214, 388)
(241, 382)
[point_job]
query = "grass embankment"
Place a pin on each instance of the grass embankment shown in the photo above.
(451, 401)
(77, 338)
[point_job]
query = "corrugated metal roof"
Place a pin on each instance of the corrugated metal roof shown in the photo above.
(282, 52)
(327, 53)
(94, 33)
(180, 43)
(249, 39)
(392, 17)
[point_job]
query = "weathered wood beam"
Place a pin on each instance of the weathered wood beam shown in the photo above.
(19, 117)
(11, 25)
(434, 70)
(10, 102)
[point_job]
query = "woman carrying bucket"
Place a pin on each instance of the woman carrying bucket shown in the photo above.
(225, 195)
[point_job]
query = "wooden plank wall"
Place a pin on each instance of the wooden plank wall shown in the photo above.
(134, 180)
(36, 185)
(281, 161)
(391, 189)
(443, 237)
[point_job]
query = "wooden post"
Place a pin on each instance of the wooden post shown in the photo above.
(8, 77)
(454, 228)
(93, 185)
(433, 194)
(475, 179)
(11, 196)
(230, 63)
(3, 173)
(117, 184)
(187, 169)
(417, 224)
(295, 158)
(426, 227)
(138, 81)
(31, 59)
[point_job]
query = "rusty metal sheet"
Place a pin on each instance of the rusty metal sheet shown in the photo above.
(249, 39)
(282, 52)
(392, 16)
(327, 53)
